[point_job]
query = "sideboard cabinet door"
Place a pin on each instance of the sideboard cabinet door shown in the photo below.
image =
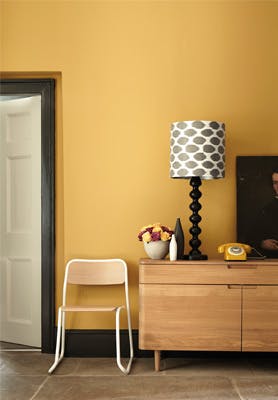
(190, 317)
(260, 318)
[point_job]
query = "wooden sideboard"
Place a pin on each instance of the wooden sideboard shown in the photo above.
(211, 305)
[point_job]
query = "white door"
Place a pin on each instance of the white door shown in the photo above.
(20, 220)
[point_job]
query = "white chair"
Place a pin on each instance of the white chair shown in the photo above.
(94, 272)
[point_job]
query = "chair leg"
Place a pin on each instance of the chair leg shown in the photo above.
(118, 343)
(130, 334)
(63, 335)
(60, 335)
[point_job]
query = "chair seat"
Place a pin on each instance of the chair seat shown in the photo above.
(89, 308)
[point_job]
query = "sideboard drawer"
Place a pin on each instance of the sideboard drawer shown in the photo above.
(214, 272)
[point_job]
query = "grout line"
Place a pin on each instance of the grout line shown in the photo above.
(39, 388)
(236, 389)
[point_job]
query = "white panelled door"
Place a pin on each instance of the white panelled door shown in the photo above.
(20, 223)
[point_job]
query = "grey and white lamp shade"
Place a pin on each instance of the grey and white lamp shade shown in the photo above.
(197, 148)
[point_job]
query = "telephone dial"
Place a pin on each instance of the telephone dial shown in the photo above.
(234, 251)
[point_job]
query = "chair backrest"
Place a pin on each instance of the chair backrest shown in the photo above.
(96, 272)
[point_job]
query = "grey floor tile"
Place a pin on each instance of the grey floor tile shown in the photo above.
(30, 363)
(206, 367)
(24, 376)
(108, 366)
(137, 387)
(144, 366)
(98, 367)
(264, 388)
(19, 387)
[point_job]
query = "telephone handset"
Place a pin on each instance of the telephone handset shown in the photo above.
(234, 251)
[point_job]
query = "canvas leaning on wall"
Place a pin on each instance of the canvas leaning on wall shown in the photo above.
(257, 203)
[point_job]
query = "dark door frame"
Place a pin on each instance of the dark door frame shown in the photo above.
(46, 88)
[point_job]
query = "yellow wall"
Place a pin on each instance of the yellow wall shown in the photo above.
(128, 69)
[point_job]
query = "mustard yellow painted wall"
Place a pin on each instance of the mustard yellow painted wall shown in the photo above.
(128, 69)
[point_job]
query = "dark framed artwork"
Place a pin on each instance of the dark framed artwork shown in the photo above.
(257, 204)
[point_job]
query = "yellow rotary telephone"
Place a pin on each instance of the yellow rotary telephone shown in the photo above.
(234, 251)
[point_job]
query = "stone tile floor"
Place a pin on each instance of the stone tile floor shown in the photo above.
(234, 376)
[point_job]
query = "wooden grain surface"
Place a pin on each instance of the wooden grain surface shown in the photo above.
(260, 318)
(189, 317)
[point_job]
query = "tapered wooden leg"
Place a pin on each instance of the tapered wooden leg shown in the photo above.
(157, 354)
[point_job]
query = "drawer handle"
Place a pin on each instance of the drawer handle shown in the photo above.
(234, 286)
(241, 266)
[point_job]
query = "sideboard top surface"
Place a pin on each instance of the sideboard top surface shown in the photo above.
(213, 261)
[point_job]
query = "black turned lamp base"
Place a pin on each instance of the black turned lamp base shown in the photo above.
(195, 218)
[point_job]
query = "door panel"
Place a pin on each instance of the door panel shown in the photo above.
(260, 318)
(19, 199)
(18, 307)
(21, 221)
(190, 317)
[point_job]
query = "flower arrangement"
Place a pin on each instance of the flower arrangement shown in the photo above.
(155, 232)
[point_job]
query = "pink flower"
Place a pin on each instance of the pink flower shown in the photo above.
(155, 236)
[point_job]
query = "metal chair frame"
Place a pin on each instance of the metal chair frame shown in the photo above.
(72, 277)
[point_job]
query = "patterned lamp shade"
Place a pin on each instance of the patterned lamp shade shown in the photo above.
(197, 149)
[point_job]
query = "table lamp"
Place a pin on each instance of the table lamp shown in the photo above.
(197, 151)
